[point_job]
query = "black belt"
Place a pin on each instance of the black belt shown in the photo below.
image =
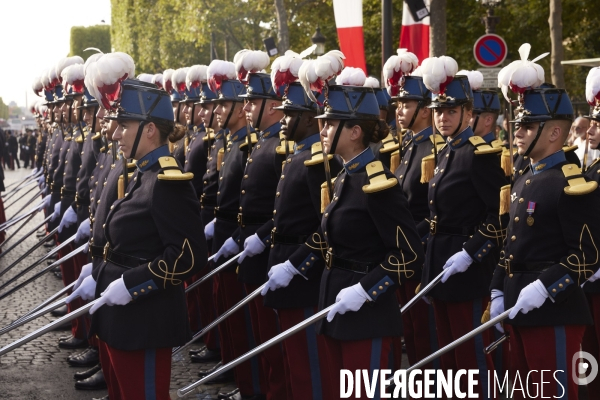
(54, 189)
(96, 251)
(435, 229)
(207, 202)
(278, 238)
(85, 201)
(226, 216)
(122, 260)
(244, 220)
(528, 266)
(333, 261)
(67, 193)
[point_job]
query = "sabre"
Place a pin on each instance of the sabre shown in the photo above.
(511, 138)
(21, 181)
(29, 202)
(461, 340)
(17, 190)
(47, 328)
(423, 292)
(18, 229)
(28, 252)
(22, 184)
(213, 272)
(220, 319)
(294, 329)
(42, 305)
(35, 264)
(30, 317)
(496, 343)
(24, 236)
(585, 155)
(18, 218)
(42, 272)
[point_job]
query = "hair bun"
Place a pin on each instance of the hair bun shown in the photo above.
(177, 133)
(380, 131)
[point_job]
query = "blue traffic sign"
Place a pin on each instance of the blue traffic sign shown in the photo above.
(490, 50)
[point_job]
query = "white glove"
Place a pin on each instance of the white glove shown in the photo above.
(531, 297)
(46, 202)
(86, 248)
(116, 294)
(229, 248)
(209, 229)
(87, 290)
(594, 277)
(83, 231)
(456, 264)
(35, 171)
(69, 218)
(349, 299)
(41, 180)
(56, 212)
(497, 306)
(252, 246)
(280, 276)
(85, 272)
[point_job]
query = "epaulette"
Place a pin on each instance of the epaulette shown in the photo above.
(220, 156)
(68, 138)
(481, 146)
(389, 144)
(497, 143)
(131, 166)
(97, 136)
(79, 138)
(395, 160)
(281, 148)
(578, 185)
(325, 199)
(171, 170)
(253, 139)
(438, 140)
(121, 185)
(316, 157)
(570, 148)
(377, 178)
(209, 135)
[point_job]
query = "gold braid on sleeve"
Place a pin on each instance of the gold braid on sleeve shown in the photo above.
(169, 275)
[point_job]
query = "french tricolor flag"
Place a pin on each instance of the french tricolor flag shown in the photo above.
(349, 24)
(414, 36)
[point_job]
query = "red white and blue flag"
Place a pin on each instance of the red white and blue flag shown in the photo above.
(349, 24)
(414, 35)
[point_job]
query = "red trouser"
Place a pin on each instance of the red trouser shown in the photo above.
(549, 348)
(264, 327)
(454, 320)
(235, 334)
(201, 309)
(369, 354)
(591, 341)
(70, 273)
(308, 372)
(80, 260)
(138, 374)
(418, 324)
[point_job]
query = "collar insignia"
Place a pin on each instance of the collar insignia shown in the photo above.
(353, 166)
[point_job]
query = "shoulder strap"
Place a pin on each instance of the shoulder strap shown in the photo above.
(170, 170)
(577, 184)
(481, 147)
(377, 178)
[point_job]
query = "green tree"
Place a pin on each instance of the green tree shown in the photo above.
(82, 37)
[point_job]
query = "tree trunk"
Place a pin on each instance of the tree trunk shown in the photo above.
(556, 37)
(437, 29)
(283, 36)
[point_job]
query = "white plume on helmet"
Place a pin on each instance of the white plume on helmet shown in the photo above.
(396, 67)
(178, 79)
(250, 61)
(372, 82)
(167, 82)
(351, 76)
(73, 76)
(219, 71)
(145, 77)
(475, 78)
(521, 74)
(196, 75)
(314, 74)
(109, 71)
(89, 70)
(37, 86)
(64, 63)
(285, 69)
(157, 79)
(438, 72)
(592, 87)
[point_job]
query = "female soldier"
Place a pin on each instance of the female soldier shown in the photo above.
(154, 242)
(362, 266)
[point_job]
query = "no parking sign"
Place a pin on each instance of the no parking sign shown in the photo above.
(490, 50)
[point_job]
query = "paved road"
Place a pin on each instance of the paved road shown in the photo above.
(39, 370)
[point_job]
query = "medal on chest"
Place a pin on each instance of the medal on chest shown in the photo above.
(530, 211)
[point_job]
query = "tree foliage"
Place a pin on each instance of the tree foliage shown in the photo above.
(82, 37)
(162, 34)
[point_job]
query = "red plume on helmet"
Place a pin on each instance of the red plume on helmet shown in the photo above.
(285, 69)
(438, 72)
(167, 82)
(314, 74)
(396, 68)
(249, 61)
(522, 74)
(111, 70)
(73, 77)
(219, 71)
(178, 79)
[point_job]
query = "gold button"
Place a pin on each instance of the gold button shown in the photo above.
(282, 176)
(111, 207)
(430, 201)
(221, 178)
(274, 212)
(149, 287)
(567, 280)
(135, 293)
(510, 257)
(553, 290)
(521, 200)
(484, 250)
(103, 225)
(442, 170)
(510, 275)
(98, 202)
(250, 160)
(245, 176)
(243, 192)
(143, 291)
(406, 162)
(312, 259)
(528, 181)
(479, 255)
(516, 219)
(374, 293)
(218, 193)
(326, 215)
(307, 264)
(489, 246)
(277, 194)
(331, 249)
(513, 238)
(560, 285)
(380, 287)
(447, 155)
(525, 158)
(387, 284)
(433, 185)
(401, 176)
